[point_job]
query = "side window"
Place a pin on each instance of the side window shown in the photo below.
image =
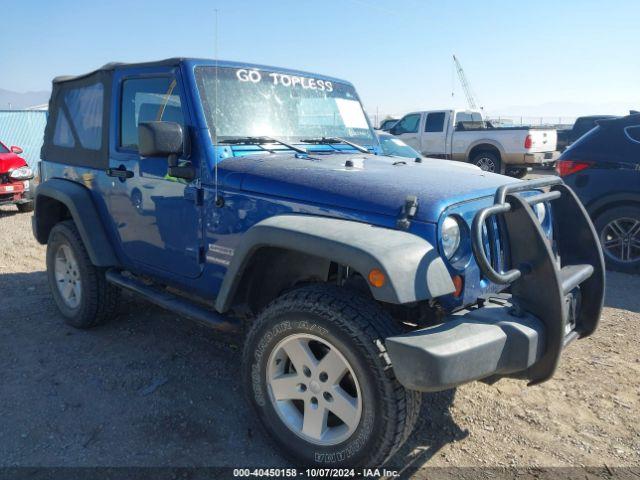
(435, 122)
(633, 133)
(468, 120)
(408, 124)
(80, 116)
(462, 117)
(147, 100)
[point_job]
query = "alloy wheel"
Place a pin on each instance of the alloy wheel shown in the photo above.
(314, 390)
(487, 164)
(67, 274)
(620, 239)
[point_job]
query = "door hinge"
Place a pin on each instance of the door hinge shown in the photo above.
(195, 194)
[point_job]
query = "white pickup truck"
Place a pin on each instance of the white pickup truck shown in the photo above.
(464, 135)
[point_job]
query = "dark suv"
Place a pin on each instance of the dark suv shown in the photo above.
(581, 126)
(603, 168)
(254, 199)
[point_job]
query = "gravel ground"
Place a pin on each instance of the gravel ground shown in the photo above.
(152, 389)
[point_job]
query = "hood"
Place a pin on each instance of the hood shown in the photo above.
(376, 184)
(10, 161)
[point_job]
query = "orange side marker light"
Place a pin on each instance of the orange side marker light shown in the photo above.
(377, 278)
(458, 283)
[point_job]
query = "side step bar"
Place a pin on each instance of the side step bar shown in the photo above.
(174, 303)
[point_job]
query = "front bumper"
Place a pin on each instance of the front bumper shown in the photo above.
(470, 345)
(554, 299)
(15, 192)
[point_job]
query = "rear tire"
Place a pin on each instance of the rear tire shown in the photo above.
(516, 172)
(25, 207)
(326, 319)
(619, 233)
(488, 161)
(79, 288)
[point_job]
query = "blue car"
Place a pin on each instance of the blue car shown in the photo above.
(256, 200)
(393, 146)
(603, 168)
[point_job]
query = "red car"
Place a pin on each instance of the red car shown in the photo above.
(15, 179)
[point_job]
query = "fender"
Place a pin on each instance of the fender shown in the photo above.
(78, 200)
(602, 203)
(412, 266)
(497, 145)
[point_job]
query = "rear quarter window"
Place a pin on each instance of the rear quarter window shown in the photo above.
(80, 116)
(633, 133)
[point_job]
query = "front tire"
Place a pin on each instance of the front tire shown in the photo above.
(316, 372)
(25, 207)
(517, 172)
(79, 288)
(619, 233)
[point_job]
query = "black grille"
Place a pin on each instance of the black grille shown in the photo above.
(4, 178)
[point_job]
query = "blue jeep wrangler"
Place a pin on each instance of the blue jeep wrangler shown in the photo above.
(257, 199)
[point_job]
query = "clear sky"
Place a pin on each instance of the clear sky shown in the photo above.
(534, 57)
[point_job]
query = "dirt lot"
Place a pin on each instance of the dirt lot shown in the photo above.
(150, 389)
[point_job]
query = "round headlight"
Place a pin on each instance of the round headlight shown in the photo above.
(541, 211)
(450, 236)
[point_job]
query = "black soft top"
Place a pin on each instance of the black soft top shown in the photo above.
(111, 66)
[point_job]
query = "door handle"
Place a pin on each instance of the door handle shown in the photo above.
(121, 172)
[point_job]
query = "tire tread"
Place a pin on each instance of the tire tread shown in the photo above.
(367, 325)
(102, 297)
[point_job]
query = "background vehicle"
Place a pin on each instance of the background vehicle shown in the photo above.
(392, 145)
(581, 126)
(352, 274)
(465, 136)
(15, 179)
(603, 167)
(387, 123)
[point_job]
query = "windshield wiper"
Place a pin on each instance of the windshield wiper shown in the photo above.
(330, 140)
(261, 141)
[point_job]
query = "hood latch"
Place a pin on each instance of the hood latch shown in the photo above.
(408, 212)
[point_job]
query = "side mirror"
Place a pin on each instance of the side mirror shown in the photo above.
(165, 139)
(16, 150)
(160, 139)
(394, 130)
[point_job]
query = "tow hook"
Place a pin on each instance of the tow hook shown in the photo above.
(408, 212)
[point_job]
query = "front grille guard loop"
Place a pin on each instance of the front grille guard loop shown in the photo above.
(501, 206)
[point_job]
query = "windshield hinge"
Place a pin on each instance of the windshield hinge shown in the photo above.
(195, 193)
(408, 212)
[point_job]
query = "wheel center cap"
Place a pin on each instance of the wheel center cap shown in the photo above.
(314, 387)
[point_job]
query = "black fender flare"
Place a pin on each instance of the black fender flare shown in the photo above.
(79, 202)
(413, 268)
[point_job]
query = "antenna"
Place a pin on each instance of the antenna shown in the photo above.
(218, 200)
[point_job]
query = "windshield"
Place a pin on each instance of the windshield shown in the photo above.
(3, 149)
(253, 103)
(394, 146)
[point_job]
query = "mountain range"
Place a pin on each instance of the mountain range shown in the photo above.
(10, 100)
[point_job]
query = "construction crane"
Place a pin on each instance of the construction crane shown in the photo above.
(471, 101)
